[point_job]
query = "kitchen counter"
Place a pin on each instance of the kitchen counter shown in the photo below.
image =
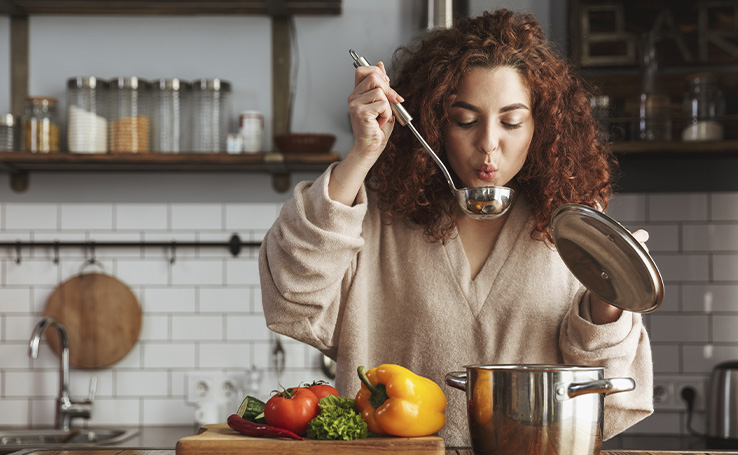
(448, 452)
(661, 442)
(159, 438)
(150, 438)
(162, 440)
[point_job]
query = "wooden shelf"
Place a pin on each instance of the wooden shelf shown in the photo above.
(675, 147)
(280, 165)
(172, 7)
(676, 167)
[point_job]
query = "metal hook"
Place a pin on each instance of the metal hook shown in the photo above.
(18, 252)
(91, 246)
(56, 252)
(173, 249)
(92, 260)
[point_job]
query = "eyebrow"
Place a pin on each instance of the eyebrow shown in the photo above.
(508, 108)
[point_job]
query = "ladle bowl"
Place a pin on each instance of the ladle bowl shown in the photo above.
(481, 203)
(485, 202)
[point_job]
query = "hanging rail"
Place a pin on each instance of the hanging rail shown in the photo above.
(234, 245)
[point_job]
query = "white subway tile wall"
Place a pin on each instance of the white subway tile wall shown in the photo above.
(694, 241)
(202, 312)
(201, 308)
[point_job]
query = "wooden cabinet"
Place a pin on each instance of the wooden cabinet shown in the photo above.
(280, 165)
(691, 37)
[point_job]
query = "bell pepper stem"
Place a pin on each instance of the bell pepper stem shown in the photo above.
(379, 391)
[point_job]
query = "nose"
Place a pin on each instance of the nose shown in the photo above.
(489, 139)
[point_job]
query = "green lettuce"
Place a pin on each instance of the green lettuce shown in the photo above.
(337, 420)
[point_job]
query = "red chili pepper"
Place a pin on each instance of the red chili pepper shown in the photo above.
(249, 428)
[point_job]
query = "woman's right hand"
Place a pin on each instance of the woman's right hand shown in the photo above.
(372, 122)
(372, 119)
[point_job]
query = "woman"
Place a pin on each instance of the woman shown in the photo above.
(375, 263)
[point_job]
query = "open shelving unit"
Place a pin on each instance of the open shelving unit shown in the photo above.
(603, 44)
(19, 164)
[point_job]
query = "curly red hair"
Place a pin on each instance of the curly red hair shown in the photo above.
(567, 161)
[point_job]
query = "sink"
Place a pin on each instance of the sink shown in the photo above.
(52, 438)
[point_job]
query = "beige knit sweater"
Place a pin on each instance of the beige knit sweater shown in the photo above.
(365, 293)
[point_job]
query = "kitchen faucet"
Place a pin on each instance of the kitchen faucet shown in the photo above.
(66, 409)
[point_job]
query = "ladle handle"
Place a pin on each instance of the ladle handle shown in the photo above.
(404, 118)
(402, 115)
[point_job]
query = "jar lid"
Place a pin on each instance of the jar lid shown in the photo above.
(7, 120)
(702, 77)
(131, 82)
(42, 100)
(600, 101)
(212, 84)
(86, 82)
(170, 84)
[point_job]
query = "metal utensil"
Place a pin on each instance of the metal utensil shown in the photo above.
(606, 258)
(278, 357)
(483, 203)
(328, 366)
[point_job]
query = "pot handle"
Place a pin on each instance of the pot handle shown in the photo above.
(457, 379)
(565, 391)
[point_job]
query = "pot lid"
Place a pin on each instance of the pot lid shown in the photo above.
(606, 258)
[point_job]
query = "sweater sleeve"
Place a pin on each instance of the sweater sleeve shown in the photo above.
(306, 259)
(623, 349)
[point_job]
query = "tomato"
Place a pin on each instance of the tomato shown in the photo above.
(292, 409)
(321, 390)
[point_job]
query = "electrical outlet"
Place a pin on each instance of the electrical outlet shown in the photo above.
(229, 387)
(200, 388)
(699, 384)
(214, 387)
(663, 394)
(667, 392)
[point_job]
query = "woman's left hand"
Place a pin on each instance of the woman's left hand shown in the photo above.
(601, 311)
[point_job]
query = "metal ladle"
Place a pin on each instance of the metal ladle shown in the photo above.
(482, 203)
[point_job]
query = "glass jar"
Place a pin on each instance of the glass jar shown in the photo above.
(170, 116)
(703, 107)
(87, 124)
(7, 133)
(129, 123)
(211, 115)
(40, 125)
(600, 106)
(653, 104)
(251, 128)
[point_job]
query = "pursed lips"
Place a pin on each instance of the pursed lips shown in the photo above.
(486, 172)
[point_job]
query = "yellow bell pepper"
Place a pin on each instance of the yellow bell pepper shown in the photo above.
(393, 400)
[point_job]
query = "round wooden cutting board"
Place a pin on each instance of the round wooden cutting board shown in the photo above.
(102, 317)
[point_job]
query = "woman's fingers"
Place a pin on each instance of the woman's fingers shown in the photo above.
(371, 105)
(367, 78)
(392, 95)
(642, 236)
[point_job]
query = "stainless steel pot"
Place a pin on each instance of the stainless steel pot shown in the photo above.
(536, 409)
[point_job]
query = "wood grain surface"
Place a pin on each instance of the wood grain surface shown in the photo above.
(447, 452)
(219, 439)
(102, 317)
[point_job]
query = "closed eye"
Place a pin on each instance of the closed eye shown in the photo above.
(512, 126)
(465, 124)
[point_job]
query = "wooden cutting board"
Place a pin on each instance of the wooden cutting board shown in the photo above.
(221, 440)
(102, 317)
